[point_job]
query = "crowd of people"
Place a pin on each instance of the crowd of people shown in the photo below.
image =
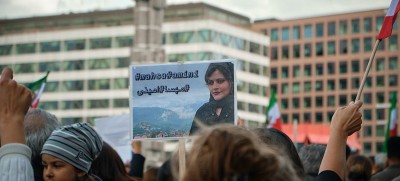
(34, 146)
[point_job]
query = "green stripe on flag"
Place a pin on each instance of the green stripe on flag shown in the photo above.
(393, 101)
(34, 86)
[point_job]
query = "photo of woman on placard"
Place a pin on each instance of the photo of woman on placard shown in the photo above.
(219, 79)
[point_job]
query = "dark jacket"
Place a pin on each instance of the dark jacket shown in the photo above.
(206, 115)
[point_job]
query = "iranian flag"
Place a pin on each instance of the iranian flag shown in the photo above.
(390, 18)
(37, 87)
(391, 129)
(273, 114)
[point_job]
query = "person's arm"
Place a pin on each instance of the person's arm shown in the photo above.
(137, 161)
(15, 156)
(345, 122)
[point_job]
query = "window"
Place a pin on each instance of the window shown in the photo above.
(296, 51)
(331, 48)
(285, 88)
(307, 102)
(25, 68)
(319, 46)
(319, 69)
(343, 46)
(296, 32)
(393, 43)
(381, 46)
(343, 84)
(48, 105)
(26, 48)
(274, 53)
(380, 81)
(274, 34)
(53, 46)
(204, 36)
(367, 24)
(343, 67)
(380, 64)
(49, 66)
(241, 105)
(78, 104)
(72, 85)
(367, 147)
(355, 66)
(71, 45)
(343, 100)
(367, 98)
(124, 103)
(99, 84)
(225, 39)
(319, 101)
(101, 103)
(254, 89)
(52, 86)
(331, 28)
(319, 117)
(124, 41)
(121, 83)
(254, 108)
(367, 44)
(296, 87)
(367, 131)
(254, 68)
(380, 97)
(379, 147)
(285, 34)
(367, 114)
(255, 48)
(379, 22)
(319, 29)
(355, 45)
(355, 83)
(103, 63)
(284, 103)
(319, 85)
(73, 65)
(274, 73)
(296, 71)
(331, 68)
(393, 63)
(331, 101)
(368, 82)
(308, 31)
(5, 49)
(355, 26)
(307, 86)
(307, 50)
(184, 37)
(393, 80)
(296, 103)
(307, 70)
(307, 117)
(329, 116)
(343, 27)
(100, 43)
(380, 130)
(122, 62)
(284, 72)
(331, 85)
(380, 114)
(285, 52)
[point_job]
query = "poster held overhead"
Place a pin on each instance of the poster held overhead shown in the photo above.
(165, 99)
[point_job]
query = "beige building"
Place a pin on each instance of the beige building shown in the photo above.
(317, 64)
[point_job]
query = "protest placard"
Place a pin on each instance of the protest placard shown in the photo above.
(166, 98)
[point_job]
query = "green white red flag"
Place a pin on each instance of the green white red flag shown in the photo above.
(273, 114)
(389, 20)
(391, 129)
(37, 87)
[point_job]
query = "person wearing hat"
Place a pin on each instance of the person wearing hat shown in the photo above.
(69, 152)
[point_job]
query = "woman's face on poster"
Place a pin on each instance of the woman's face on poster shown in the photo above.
(217, 84)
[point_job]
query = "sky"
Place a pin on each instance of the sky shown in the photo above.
(254, 9)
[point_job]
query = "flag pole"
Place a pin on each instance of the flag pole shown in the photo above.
(371, 59)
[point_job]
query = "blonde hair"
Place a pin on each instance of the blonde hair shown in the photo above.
(226, 152)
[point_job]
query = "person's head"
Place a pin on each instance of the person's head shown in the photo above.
(109, 166)
(311, 157)
(69, 152)
(393, 148)
(150, 174)
(282, 143)
(226, 152)
(359, 168)
(38, 126)
(219, 79)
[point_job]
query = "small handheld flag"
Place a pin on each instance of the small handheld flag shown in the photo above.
(390, 18)
(37, 87)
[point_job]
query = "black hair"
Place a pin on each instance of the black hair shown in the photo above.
(393, 147)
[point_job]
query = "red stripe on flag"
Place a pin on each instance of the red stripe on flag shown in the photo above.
(389, 20)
